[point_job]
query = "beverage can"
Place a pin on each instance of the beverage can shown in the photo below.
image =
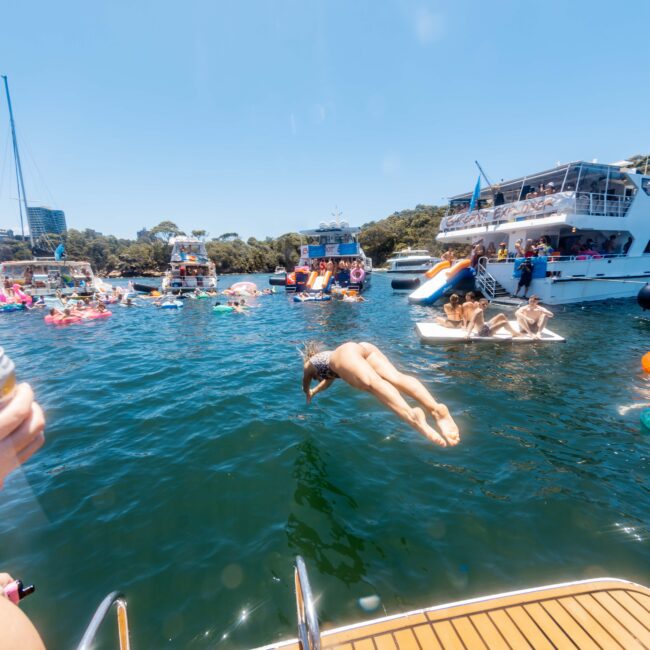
(7, 378)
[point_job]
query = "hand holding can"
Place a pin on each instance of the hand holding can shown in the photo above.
(21, 420)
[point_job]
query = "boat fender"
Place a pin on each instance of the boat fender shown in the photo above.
(643, 298)
(645, 361)
(405, 283)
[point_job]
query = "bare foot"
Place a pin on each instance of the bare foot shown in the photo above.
(426, 430)
(446, 424)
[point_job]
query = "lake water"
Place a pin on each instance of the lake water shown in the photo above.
(183, 467)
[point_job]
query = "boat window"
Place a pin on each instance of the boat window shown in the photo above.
(645, 185)
(593, 179)
(647, 248)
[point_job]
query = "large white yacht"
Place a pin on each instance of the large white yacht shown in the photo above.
(190, 268)
(411, 261)
(594, 220)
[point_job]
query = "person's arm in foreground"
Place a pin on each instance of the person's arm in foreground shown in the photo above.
(21, 430)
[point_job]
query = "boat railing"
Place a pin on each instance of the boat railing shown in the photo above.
(593, 204)
(580, 257)
(114, 598)
(308, 630)
(485, 281)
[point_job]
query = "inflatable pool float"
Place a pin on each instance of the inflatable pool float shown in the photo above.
(244, 288)
(93, 314)
(62, 320)
(645, 420)
(174, 304)
(311, 298)
(222, 309)
(12, 306)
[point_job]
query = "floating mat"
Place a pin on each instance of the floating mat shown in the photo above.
(434, 333)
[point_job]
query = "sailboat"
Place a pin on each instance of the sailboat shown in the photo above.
(43, 276)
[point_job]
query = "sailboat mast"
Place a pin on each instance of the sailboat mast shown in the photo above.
(19, 169)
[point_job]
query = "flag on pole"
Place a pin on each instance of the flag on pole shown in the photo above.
(59, 252)
(477, 192)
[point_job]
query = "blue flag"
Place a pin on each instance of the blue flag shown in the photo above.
(59, 252)
(477, 192)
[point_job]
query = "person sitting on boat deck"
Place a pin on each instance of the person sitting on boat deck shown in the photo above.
(532, 317)
(469, 306)
(526, 277)
(627, 244)
(365, 367)
(453, 312)
(492, 326)
(502, 253)
(491, 250)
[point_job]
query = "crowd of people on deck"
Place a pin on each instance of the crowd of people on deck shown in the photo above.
(497, 198)
(578, 247)
(469, 316)
(343, 270)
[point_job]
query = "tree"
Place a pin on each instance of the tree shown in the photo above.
(200, 233)
(228, 236)
(165, 230)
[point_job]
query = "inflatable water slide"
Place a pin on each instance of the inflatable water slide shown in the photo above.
(442, 277)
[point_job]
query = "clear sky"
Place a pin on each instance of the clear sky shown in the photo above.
(262, 117)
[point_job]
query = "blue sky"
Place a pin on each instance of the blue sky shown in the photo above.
(261, 117)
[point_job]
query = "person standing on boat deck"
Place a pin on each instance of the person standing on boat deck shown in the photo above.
(490, 328)
(364, 366)
(628, 243)
(532, 317)
(502, 253)
(526, 277)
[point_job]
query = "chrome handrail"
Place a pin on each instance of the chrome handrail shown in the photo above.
(117, 598)
(308, 631)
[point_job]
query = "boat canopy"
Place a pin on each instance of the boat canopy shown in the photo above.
(580, 176)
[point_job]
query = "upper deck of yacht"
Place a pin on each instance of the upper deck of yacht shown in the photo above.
(578, 188)
(408, 252)
(188, 250)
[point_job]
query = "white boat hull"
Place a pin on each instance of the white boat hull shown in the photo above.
(574, 281)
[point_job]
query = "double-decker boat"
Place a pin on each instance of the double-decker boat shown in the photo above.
(586, 225)
(190, 267)
(45, 276)
(411, 261)
(335, 261)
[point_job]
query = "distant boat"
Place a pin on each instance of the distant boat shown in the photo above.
(336, 241)
(44, 276)
(411, 261)
(190, 268)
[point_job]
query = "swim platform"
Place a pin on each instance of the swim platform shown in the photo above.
(435, 333)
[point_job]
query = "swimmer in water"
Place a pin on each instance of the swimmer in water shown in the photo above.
(364, 366)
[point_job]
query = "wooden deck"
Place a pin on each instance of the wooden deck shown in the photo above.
(594, 614)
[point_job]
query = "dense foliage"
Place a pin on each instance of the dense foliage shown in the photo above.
(149, 255)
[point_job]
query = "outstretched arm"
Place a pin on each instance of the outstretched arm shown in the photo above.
(323, 385)
(307, 376)
(471, 324)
